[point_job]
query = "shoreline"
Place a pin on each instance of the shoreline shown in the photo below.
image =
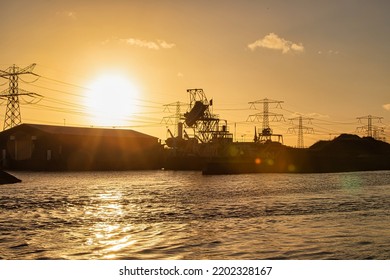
(6, 178)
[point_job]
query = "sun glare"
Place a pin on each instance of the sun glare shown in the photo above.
(111, 100)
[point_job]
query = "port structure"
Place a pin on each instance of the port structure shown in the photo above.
(301, 129)
(206, 125)
(12, 114)
(266, 133)
(374, 131)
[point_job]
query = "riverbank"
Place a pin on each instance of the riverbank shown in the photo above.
(6, 178)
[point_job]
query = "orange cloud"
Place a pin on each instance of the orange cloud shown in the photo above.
(386, 106)
(153, 45)
(274, 42)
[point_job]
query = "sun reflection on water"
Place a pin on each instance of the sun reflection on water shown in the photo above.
(108, 233)
(164, 215)
(351, 182)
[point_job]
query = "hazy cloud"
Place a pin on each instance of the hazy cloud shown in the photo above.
(318, 115)
(68, 14)
(71, 14)
(386, 106)
(313, 115)
(328, 52)
(165, 45)
(274, 42)
(152, 45)
(105, 42)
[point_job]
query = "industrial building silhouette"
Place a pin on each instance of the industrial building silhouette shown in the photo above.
(47, 147)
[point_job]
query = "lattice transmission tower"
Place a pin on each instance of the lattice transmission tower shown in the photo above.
(264, 117)
(12, 94)
(175, 118)
(301, 129)
(371, 130)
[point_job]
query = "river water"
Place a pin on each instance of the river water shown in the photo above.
(184, 215)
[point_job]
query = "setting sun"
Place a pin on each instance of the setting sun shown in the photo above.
(110, 100)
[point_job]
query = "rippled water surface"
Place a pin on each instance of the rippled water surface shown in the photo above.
(184, 215)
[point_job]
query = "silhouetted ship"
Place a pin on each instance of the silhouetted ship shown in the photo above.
(343, 154)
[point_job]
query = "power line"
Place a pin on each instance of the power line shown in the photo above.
(12, 114)
(301, 129)
(371, 130)
(266, 133)
(174, 119)
(89, 90)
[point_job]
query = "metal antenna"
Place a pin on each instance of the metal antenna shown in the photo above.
(12, 114)
(301, 129)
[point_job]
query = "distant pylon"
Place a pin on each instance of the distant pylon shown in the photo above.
(266, 133)
(266, 113)
(174, 119)
(12, 94)
(301, 129)
(370, 129)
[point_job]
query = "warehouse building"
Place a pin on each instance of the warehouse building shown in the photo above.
(47, 147)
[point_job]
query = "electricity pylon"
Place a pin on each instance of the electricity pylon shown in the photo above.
(370, 129)
(174, 119)
(301, 129)
(12, 94)
(266, 133)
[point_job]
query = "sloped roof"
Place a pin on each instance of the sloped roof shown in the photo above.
(84, 131)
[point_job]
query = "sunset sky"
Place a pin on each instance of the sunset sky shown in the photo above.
(328, 60)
